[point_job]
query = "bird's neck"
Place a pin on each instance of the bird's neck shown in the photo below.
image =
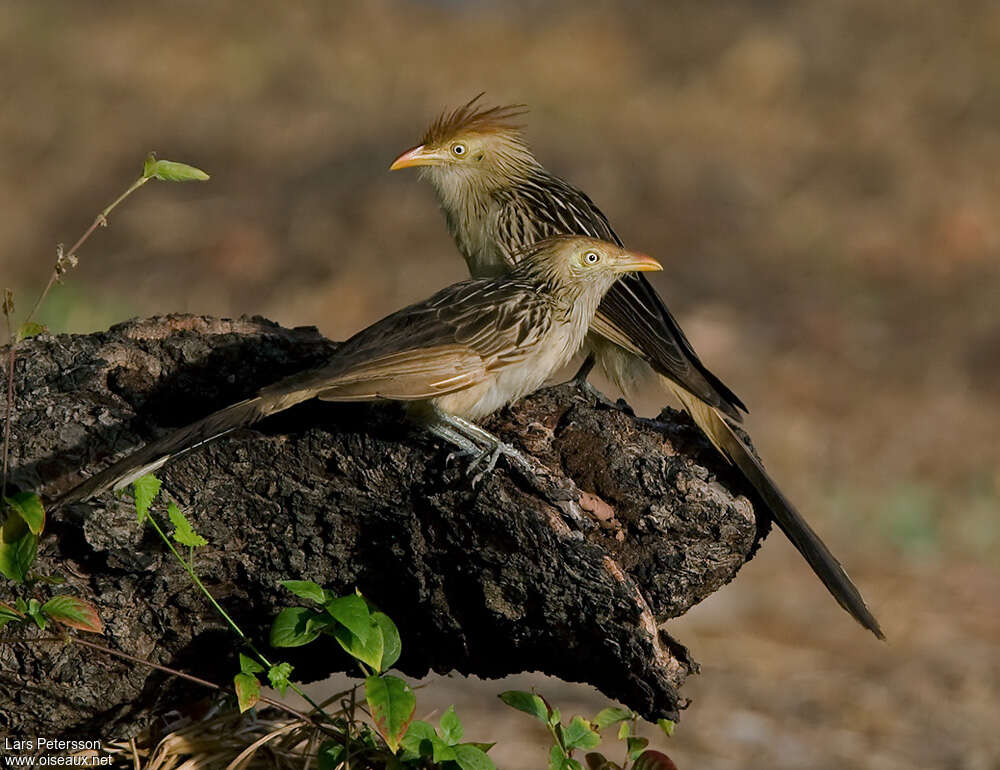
(572, 300)
(467, 204)
(583, 306)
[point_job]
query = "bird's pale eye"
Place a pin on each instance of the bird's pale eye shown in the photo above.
(591, 258)
(459, 149)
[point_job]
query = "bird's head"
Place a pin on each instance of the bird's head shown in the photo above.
(477, 147)
(581, 269)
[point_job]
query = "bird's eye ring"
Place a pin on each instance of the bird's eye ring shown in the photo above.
(458, 149)
(591, 258)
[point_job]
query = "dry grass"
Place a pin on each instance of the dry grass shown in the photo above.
(226, 741)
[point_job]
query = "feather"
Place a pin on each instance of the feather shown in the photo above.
(632, 314)
(472, 119)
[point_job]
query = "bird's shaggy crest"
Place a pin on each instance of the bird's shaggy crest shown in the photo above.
(470, 118)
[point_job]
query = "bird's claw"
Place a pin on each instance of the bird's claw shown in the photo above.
(457, 455)
(590, 391)
(488, 459)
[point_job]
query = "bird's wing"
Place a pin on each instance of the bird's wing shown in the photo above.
(632, 314)
(458, 338)
(544, 207)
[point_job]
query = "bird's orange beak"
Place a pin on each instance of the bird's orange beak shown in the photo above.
(634, 261)
(417, 156)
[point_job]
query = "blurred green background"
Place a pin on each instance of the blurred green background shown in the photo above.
(819, 179)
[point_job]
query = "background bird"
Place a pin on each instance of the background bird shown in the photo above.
(497, 199)
(458, 356)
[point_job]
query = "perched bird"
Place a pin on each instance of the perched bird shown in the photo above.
(456, 357)
(497, 199)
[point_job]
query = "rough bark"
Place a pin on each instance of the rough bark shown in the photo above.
(569, 571)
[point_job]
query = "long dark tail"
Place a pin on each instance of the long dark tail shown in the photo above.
(157, 454)
(796, 529)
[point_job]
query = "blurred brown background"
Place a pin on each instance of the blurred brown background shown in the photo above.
(819, 179)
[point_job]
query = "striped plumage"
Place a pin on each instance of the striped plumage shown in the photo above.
(457, 356)
(497, 199)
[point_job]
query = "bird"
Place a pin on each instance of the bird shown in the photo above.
(497, 199)
(454, 358)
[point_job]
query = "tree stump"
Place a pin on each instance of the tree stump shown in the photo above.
(570, 570)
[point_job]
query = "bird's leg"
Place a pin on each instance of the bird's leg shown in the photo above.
(580, 378)
(465, 447)
(579, 381)
(473, 440)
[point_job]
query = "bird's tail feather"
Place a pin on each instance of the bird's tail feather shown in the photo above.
(796, 529)
(158, 453)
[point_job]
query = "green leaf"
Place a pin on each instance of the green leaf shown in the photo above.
(331, 755)
(392, 704)
(653, 760)
(249, 666)
(368, 651)
(28, 330)
(278, 675)
(597, 761)
(554, 716)
(527, 702)
(611, 716)
(183, 531)
(294, 627)
(144, 490)
(29, 506)
(469, 757)
(624, 729)
(441, 751)
(171, 171)
(35, 613)
(483, 747)
(18, 547)
(418, 741)
(557, 758)
(391, 644)
(306, 589)
(247, 690)
(9, 614)
(580, 735)
(353, 612)
(635, 746)
(667, 725)
(74, 612)
(451, 727)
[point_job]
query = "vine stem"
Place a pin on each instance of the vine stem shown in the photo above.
(10, 400)
(191, 678)
(232, 623)
(101, 220)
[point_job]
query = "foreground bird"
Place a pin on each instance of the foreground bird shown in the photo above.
(497, 199)
(458, 356)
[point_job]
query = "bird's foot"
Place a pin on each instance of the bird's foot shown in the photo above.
(579, 382)
(488, 460)
(474, 442)
(589, 392)
(580, 378)
(460, 454)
